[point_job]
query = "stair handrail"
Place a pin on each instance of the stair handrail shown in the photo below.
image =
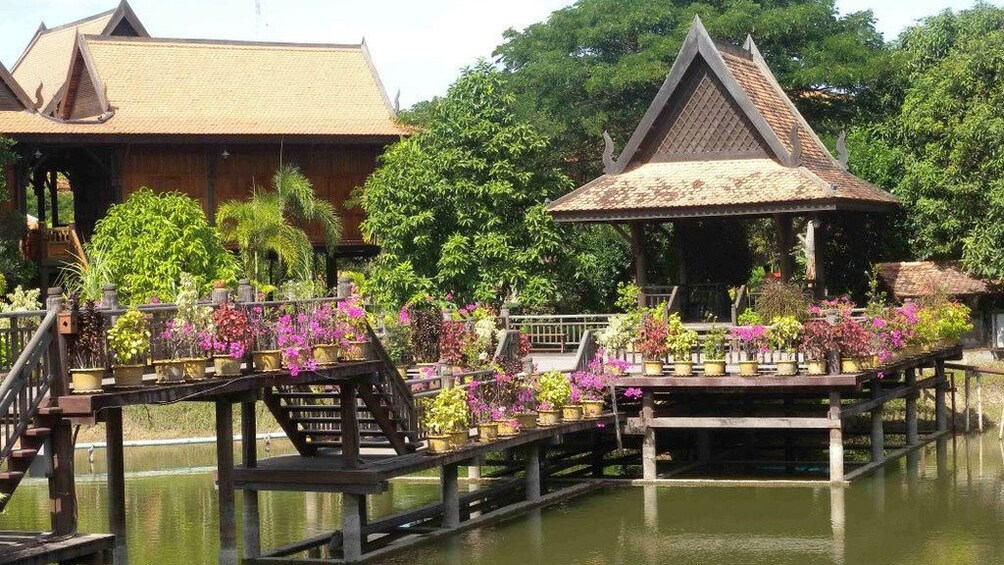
(17, 384)
(402, 399)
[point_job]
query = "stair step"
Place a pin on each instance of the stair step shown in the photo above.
(23, 453)
(9, 477)
(328, 420)
(50, 411)
(303, 394)
(363, 433)
(38, 432)
(338, 444)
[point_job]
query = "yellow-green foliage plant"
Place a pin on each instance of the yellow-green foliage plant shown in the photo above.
(129, 338)
(553, 390)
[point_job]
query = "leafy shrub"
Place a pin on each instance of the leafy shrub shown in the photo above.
(553, 390)
(447, 412)
(150, 239)
(129, 338)
(778, 299)
(714, 343)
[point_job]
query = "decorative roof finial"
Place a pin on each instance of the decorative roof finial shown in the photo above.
(397, 101)
(842, 155)
(608, 154)
(796, 146)
(38, 97)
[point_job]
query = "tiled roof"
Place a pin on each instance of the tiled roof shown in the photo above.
(196, 87)
(47, 57)
(690, 185)
(925, 278)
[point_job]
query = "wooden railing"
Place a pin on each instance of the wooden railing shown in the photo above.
(556, 332)
(16, 329)
(60, 243)
(399, 393)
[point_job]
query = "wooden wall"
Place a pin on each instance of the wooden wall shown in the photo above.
(202, 173)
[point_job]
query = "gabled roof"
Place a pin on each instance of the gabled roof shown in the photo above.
(146, 86)
(41, 68)
(720, 138)
(925, 278)
(12, 96)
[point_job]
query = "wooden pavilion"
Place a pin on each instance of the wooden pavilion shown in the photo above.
(100, 103)
(721, 141)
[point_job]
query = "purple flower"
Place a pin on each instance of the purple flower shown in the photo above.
(633, 393)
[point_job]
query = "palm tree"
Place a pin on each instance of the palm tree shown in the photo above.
(273, 221)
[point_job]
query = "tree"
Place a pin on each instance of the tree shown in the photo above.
(596, 65)
(273, 222)
(15, 269)
(146, 242)
(459, 206)
(939, 151)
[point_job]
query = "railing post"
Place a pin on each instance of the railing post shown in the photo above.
(344, 287)
(110, 297)
(57, 346)
(62, 491)
(220, 295)
(245, 293)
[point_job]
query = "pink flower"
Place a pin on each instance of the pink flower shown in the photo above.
(633, 393)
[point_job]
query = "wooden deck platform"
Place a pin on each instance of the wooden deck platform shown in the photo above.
(30, 548)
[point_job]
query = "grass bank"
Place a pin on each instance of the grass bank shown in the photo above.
(173, 421)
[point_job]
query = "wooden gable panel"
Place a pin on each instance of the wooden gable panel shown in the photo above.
(701, 120)
(8, 100)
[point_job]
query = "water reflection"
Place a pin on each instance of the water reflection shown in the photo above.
(939, 505)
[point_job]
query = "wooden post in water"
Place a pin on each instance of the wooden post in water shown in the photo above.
(451, 495)
(62, 490)
(912, 435)
(532, 472)
(116, 483)
(648, 446)
(353, 506)
(836, 441)
(878, 435)
(225, 482)
(940, 388)
(249, 456)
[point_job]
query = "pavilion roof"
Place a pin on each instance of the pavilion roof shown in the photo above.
(720, 138)
(915, 279)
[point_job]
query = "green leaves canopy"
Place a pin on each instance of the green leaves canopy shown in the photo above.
(459, 206)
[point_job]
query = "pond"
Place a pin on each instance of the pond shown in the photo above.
(919, 518)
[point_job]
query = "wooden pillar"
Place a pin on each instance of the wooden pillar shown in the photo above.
(640, 264)
(352, 526)
(912, 435)
(38, 184)
(350, 425)
(836, 441)
(819, 256)
(451, 495)
(940, 388)
(648, 446)
(249, 456)
(62, 489)
(211, 185)
(682, 273)
(116, 483)
(225, 482)
(785, 245)
(532, 452)
(878, 434)
(54, 197)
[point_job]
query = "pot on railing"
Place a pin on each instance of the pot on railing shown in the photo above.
(87, 380)
(267, 361)
(488, 432)
(815, 367)
(325, 354)
(527, 421)
(128, 375)
(592, 408)
(169, 371)
(652, 368)
(507, 427)
(571, 412)
(226, 366)
(714, 368)
(547, 418)
(749, 368)
(438, 444)
(787, 368)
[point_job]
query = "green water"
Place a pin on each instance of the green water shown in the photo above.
(915, 518)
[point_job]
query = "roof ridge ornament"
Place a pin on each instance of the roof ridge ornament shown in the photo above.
(38, 97)
(795, 158)
(843, 156)
(397, 101)
(608, 154)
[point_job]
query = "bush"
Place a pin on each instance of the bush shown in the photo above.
(778, 300)
(150, 239)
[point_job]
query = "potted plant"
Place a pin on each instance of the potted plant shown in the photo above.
(447, 416)
(553, 392)
(231, 340)
(186, 335)
(129, 344)
(652, 345)
(454, 338)
(426, 324)
(266, 356)
(396, 341)
(681, 342)
(783, 336)
(592, 384)
(525, 407)
(714, 351)
(573, 410)
(483, 412)
(325, 334)
(852, 341)
(88, 349)
(817, 342)
(351, 318)
(752, 341)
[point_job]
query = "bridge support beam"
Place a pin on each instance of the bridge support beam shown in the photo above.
(116, 484)
(225, 482)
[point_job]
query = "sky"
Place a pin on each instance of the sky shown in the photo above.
(418, 46)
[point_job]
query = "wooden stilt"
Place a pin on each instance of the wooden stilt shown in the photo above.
(116, 483)
(249, 457)
(877, 435)
(979, 402)
(965, 402)
(836, 441)
(352, 527)
(648, 446)
(225, 482)
(350, 426)
(940, 388)
(451, 495)
(532, 472)
(912, 435)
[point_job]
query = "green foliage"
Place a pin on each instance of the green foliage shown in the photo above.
(7, 158)
(447, 411)
(14, 266)
(784, 333)
(749, 317)
(273, 222)
(627, 297)
(553, 390)
(597, 64)
(681, 340)
(129, 338)
(714, 343)
(150, 239)
(459, 206)
(21, 300)
(86, 277)
(396, 341)
(778, 299)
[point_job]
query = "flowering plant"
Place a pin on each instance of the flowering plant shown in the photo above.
(783, 334)
(851, 339)
(714, 343)
(553, 390)
(233, 335)
(681, 340)
(190, 331)
(652, 338)
(350, 317)
(618, 334)
(297, 334)
(482, 401)
(129, 338)
(752, 339)
(515, 393)
(817, 339)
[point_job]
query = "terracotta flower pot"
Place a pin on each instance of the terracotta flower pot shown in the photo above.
(527, 421)
(714, 368)
(170, 370)
(652, 368)
(87, 380)
(267, 361)
(850, 365)
(683, 368)
(226, 366)
(438, 444)
(356, 351)
(547, 418)
(571, 413)
(488, 432)
(459, 439)
(128, 375)
(815, 367)
(788, 368)
(507, 427)
(325, 354)
(195, 369)
(592, 408)
(749, 368)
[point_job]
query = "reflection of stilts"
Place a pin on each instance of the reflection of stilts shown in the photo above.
(878, 491)
(535, 523)
(838, 521)
(651, 507)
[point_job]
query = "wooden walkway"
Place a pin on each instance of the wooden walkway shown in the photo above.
(29, 548)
